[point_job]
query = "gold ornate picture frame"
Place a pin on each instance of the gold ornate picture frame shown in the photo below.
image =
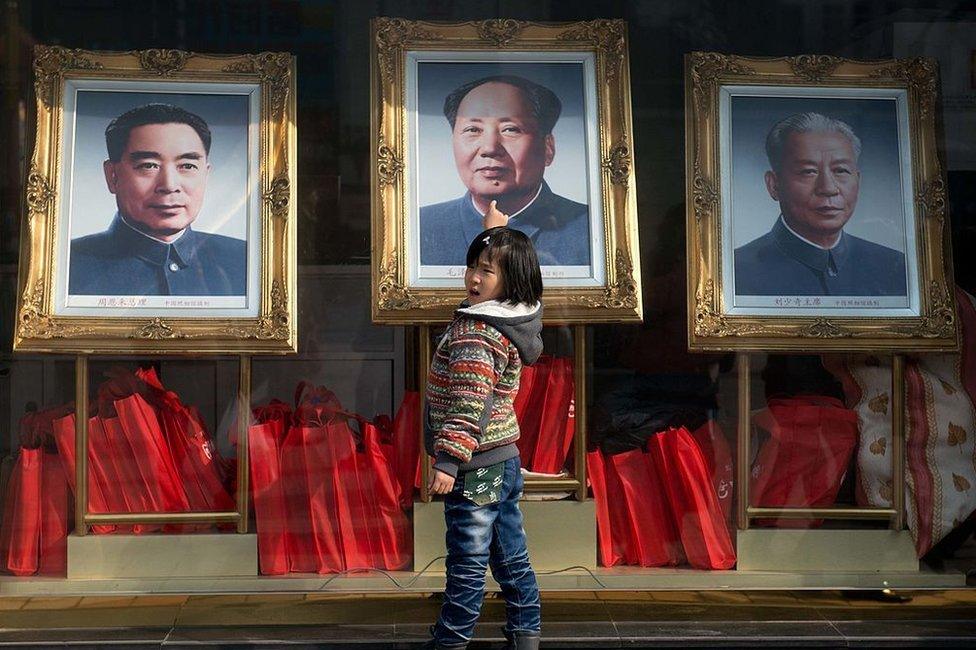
(199, 256)
(582, 216)
(816, 215)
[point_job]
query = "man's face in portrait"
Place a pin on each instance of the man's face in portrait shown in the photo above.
(160, 179)
(816, 184)
(498, 149)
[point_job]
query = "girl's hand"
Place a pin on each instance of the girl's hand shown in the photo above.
(494, 217)
(440, 483)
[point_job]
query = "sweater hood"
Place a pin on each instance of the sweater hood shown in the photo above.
(520, 323)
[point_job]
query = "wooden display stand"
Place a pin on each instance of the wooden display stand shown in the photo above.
(772, 549)
(141, 556)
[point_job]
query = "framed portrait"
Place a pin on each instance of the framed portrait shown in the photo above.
(816, 205)
(534, 117)
(158, 209)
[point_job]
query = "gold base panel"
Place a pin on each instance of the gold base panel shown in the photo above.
(560, 534)
(779, 549)
(161, 556)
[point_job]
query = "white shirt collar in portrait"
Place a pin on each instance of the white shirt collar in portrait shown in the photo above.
(514, 214)
(182, 232)
(807, 241)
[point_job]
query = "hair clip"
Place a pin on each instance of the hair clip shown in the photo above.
(487, 239)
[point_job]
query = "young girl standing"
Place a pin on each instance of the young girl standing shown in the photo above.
(470, 429)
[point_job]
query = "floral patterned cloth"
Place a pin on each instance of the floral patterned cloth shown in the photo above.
(940, 431)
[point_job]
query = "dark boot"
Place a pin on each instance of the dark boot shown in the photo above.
(522, 640)
(434, 645)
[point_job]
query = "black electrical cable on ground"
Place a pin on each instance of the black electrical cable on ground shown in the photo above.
(409, 583)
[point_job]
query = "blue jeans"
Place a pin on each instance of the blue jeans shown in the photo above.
(479, 537)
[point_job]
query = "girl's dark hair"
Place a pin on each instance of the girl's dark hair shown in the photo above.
(515, 255)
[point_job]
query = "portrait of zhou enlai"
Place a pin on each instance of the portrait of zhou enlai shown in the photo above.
(815, 177)
(157, 169)
(502, 138)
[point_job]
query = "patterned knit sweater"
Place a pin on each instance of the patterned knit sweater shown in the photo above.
(474, 377)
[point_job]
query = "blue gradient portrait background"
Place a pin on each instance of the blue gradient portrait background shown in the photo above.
(879, 215)
(437, 177)
(224, 208)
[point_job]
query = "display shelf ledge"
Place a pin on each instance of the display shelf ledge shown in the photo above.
(614, 579)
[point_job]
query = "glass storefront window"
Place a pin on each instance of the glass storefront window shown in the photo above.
(335, 461)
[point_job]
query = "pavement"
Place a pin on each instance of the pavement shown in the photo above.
(579, 619)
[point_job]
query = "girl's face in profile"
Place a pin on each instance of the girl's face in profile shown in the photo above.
(484, 281)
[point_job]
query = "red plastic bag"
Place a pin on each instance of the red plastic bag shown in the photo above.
(335, 485)
(529, 406)
(348, 508)
(37, 427)
(610, 528)
(308, 485)
(388, 527)
(103, 470)
(277, 415)
(372, 527)
(676, 458)
(356, 520)
(265, 439)
(650, 527)
(554, 437)
(270, 511)
(20, 537)
(406, 446)
(55, 506)
(340, 530)
(35, 518)
(802, 464)
(715, 448)
(295, 491)
(126, 480)
(523, 398)
(198, 462)
(64, 436)
(157, 468)
(194, 454)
